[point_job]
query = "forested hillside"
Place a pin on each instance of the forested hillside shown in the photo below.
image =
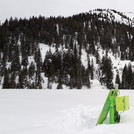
(82, 45)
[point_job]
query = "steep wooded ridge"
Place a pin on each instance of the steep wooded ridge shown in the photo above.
(77, 49)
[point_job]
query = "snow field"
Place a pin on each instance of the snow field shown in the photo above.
(51, 111)
(60, 111)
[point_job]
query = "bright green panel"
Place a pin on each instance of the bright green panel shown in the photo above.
(104, 112)
(122, 103)
(112, 110)
(105, 109)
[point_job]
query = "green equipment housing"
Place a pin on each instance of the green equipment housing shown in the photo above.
(113, 105)
(122, 103)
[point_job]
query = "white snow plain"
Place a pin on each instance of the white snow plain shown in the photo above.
(60, 112)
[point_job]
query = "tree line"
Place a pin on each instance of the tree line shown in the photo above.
(20, 38)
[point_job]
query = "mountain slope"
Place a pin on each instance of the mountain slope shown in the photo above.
(67, 52)
(113, 15)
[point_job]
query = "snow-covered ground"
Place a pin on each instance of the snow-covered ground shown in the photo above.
(60, 112)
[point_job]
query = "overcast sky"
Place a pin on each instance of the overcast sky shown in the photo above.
(27, 8)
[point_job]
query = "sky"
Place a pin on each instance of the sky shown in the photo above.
(47, 8)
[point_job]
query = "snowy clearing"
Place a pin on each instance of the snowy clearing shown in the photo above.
(60, 112)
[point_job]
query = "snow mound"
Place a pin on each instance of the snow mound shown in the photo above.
(79, 118)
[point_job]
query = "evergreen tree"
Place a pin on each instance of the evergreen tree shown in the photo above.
(6, 83)
(15, 64)
(13, 82)
(24, 60)
(31, 70)
(107, 74)
(23, 78)
(59, 86)
(38, 80)
(117, 80)
(49, 84)
(47, 64)
(0, 66)
(129, 78)
(124, 84)
(38, 61)
(92, 70)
